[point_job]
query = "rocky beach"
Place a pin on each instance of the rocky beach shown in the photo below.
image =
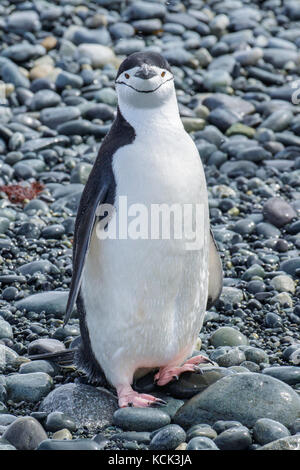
(236, 65)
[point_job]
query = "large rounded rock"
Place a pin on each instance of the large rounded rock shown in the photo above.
(88, 406)
(243, 397)
(25, 433)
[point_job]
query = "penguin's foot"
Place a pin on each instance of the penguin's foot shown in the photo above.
(167, 374)
(128, 397)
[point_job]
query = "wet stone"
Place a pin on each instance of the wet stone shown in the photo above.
(25, 433)
(140, 419)
(267, 430)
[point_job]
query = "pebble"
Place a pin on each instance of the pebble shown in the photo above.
(44, 346)
(287, 374)
(227, 336)
(52, 303)
(39, 366)
(31, 387)
(201, 430)
(140, 419)
(169, 437)
(57, 421)
(235, 438)
(25, 433)
(201, 443)
(278, 212)
(74, 444)
(267, 430)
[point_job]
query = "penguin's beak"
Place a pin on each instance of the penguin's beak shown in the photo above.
(145, 72)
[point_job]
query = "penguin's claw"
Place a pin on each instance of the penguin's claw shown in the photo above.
(167, 374)
(128, 397)
(198, 370)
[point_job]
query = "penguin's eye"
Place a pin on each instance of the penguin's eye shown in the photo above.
(127, 75)
(163, 74)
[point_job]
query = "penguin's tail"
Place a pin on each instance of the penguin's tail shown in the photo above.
(62, 357)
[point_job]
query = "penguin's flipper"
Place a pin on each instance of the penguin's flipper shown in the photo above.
(215, 275)
(83, 230)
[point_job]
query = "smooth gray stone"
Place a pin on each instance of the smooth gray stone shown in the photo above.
(7, 419)
(189, 383)
(23, 21)
(53, 117)
(5, 329)
(278, 120)
(8, 357)
(168, 438)
(57, 420)
(87, 406)
(129, 46)
(278, 212)
(231, 398)
(285, 443)
(74, 444)
(279, 57)
(239, 168)
(11, 74)
(227, 336)
(144, 10)
(44, 99)
(42, 266)
(45, 345)
(68, 79)
(290, 266)
(44, 143)
(91, 36)
(267, 230)
(140, 419)
(287, 374)
(201, 443)
(121, 30)
(24, 51)
(267, 430)
(28, 387)
(25, 433)
(51, 302)
(235, 438)
(143, 437)
(39, 366)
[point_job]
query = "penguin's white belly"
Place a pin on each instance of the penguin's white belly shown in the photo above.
(145, 299)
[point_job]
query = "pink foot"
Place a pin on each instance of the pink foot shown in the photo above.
(128, 397)
(167, 374)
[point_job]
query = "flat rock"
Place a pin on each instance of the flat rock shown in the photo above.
(52, 303)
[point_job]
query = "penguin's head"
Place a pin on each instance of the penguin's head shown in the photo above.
(144, 80)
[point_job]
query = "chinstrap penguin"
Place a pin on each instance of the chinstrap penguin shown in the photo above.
(141, 302)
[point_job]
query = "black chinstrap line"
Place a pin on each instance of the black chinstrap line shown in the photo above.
(145, 91)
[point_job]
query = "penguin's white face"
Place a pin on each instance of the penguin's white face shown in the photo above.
(145, 86)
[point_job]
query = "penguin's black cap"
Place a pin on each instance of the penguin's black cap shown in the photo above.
(137, 59)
